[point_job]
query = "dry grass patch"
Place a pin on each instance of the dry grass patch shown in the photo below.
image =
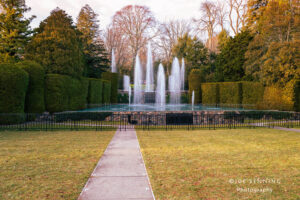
(201, 164)
(48, 165)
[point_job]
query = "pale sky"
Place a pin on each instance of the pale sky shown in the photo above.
(162, 9)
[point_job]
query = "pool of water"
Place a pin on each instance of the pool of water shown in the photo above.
(153, 107)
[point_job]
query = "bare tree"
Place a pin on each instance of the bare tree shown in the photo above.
(137, 24)
(209, 20)
(222, 14)
(169, 33)
(237, 14)
(115, 40)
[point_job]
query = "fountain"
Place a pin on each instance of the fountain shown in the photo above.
(160, 98)
(193, 99)
(126, 83)
(129, 94)
(175, 83)
(182, 73)
(113, 62)
(138, 92)
(149, 71)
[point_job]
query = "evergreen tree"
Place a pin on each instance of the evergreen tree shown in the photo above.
(57, 45)
(232, 57)
(95, 54)
(223, 38)
(14, 29)
(192, 50)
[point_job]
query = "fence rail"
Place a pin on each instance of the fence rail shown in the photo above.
(146, 121)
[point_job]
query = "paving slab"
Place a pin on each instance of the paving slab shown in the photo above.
(120, 173)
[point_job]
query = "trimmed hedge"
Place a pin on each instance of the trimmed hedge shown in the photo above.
(65, 93)
(95, 91)
(56, 92)
(231, 93)
(253, 93)
(297, 96)
(13, 87)
(210, 93)
(106, 92)
(114, 79)
(35, 101)
(195, 79)
(277, 99)
(78, 92)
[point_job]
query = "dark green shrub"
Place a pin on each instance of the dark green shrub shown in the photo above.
(184, 98)
(123, 98)
(231, 93)
(106, 92)
(13, 87)
(113, 78)
(95, 91)
(210, 93)
(56, 92)
(253, 93)
(195, 79)
(34, 102)
(65, 93)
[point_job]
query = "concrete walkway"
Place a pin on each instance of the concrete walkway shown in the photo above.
(286, 129)
(120, 174)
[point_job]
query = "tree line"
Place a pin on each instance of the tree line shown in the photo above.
(58, 44)
(252, 40)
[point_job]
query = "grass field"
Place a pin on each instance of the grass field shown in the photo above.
(223, 164)
(48, 165)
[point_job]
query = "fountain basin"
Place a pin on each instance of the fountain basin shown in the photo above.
(154, 107)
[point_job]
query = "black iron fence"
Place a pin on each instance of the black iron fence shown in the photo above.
(147, 120)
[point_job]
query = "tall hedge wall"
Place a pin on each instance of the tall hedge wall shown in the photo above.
(297, 96)
(210, 93)
(78, 92)
(13, 87)
(231, 93)
(106, 92)
(114, 79)
(56, 92)
(34, 102)
(65, 93)
(253, 93)
(95, 91)
(195, 79)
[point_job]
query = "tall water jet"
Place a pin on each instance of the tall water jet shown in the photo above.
(182, 74)
(175, 83)
(149, 71)
(126, 82)
(129, 95)
(137, 99)
(160, 98)
(113, 62)
(193, 99)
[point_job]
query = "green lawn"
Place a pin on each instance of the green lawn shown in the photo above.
(202, 164)
(48, 165)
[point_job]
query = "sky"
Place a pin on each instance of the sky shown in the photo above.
(162, 9)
